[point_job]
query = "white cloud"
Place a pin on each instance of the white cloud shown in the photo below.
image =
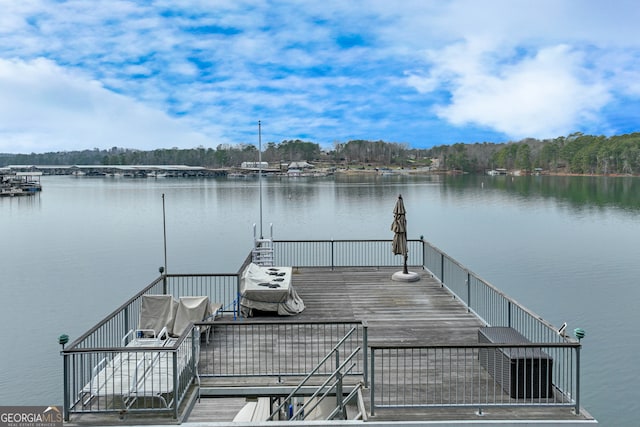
(521, 68)
(545, 95)
(46, 107)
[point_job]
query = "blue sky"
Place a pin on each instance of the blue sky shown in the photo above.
(86, 74)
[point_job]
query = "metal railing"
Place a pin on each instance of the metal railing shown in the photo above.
(282, 349)
(479, 376)
(491, 305)
(343, 253)
(220, 288)
(488, 303)
(294, 348)
(102, 346)
(130, 379)
(332, 384)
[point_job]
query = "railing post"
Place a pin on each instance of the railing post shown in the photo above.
(365, 353)
(509, 313)
(237, 306)
(441, 268)
(332, 255)
(175, 384)
(468, 292)
(373, 381)
(577, 408)
(194, 365)
(65, 386)
(126, 321)
(339, 396)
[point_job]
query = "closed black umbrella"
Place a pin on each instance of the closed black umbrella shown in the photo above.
(399, 228)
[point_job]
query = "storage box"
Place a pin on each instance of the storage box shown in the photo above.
(522, 372)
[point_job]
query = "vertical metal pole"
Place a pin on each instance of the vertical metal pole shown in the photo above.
(509, 314)
(164, 283)
(195, 335)
(176, 392)
(65, 386)
(365, 353)
(442, 268)
(164, 230)
(339, 396)
(237, 306)
(577, 409)
(332, 255)
(126, 320)
(373, 381)
(468, 292)
(260, 172)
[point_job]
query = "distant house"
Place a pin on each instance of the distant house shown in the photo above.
(254, 165)
(497, 171)
(300, 165)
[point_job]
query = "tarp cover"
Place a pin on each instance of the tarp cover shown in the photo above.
(268, 289)
(190, 310)
(160, 311)
(157, 312)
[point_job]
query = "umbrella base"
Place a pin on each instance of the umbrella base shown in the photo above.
(409, 277)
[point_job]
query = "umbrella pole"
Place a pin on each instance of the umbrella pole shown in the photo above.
(405, 270)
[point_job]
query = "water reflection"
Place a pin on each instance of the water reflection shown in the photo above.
(576, 192)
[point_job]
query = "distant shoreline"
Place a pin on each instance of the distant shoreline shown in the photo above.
(405, 171)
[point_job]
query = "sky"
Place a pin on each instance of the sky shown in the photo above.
(86, 74)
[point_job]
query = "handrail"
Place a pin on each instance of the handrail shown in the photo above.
(345, 401)
(316, 369)
(337, 383)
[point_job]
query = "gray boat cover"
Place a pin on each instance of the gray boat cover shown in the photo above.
(268, 289)
(190, 310)
(163, 311)
(157, 312)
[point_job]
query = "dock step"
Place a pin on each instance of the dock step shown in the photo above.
(262, 253)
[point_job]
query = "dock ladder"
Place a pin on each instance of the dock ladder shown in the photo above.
(262, 253)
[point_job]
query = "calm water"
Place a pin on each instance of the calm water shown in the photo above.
(566, 248)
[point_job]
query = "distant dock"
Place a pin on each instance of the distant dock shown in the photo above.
(131, 171)
(15, 184)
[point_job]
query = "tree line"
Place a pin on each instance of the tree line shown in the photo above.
(576, 153)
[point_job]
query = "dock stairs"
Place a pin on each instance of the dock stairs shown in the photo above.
(320, 395)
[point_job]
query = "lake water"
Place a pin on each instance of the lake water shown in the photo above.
(565, 247)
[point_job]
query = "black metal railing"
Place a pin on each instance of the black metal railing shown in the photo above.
(130, 379)
(488, 303)
(479, 376)
(345, 362)
(102, 347)
(343, 253)
(282, 349)
(491, 305)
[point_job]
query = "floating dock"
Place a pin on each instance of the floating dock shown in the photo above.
(372, 350)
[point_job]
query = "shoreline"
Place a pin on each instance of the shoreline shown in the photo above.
(389, 171)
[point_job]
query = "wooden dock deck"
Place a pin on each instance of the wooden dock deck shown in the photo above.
(396, 313)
